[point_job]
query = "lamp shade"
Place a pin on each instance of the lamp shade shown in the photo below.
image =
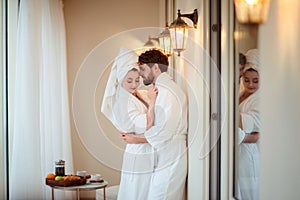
(251, 11)
(165, 42)
(179, 34)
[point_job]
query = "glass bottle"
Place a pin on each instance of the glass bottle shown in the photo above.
(60, 168)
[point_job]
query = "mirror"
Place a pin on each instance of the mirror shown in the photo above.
(245, 38)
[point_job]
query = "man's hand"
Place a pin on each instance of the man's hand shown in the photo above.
(131, 138)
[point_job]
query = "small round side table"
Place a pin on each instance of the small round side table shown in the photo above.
(85, 187)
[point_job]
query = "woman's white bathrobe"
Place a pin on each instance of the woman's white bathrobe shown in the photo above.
(248, 173)
(168, 137)
(130, 116)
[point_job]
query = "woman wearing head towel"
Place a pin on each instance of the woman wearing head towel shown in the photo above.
(250, 57)
(130, 110)
(248, 176)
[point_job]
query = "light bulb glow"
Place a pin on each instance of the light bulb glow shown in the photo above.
(252, 11)
(252, 2)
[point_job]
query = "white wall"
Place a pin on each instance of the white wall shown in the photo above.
(279, 45)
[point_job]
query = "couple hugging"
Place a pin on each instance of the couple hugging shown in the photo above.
(153, 123)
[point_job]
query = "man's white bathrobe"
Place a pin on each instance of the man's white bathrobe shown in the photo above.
(130, 116)
(248, 174)
(168, 137)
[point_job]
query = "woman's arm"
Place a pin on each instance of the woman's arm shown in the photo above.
(251, 137)
(249, 119)
(132, 138)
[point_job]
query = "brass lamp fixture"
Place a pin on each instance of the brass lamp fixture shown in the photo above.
(179, 30)
(251, 11)
(165, 41)
(162, 42)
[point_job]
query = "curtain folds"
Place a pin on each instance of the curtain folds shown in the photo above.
(41, 117)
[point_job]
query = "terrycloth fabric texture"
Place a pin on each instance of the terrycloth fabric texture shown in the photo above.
(125, 61)
(252, 60)
(252, 56)
(111, 193)
(251, 66)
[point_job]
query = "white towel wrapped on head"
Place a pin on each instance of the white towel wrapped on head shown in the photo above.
(125, 61)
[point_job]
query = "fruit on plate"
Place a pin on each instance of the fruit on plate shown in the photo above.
(50, 176)
(59, 178)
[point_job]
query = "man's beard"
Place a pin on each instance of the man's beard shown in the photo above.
(149, 80)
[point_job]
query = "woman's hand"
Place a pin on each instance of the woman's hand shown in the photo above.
(152, 93)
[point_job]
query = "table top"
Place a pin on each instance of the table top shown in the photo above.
(87, 186)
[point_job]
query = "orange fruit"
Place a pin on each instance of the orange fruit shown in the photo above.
(50, 176)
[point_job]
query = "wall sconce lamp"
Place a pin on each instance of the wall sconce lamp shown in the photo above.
(179, 30)
(251, 11)
(165, 41)
(162, 42)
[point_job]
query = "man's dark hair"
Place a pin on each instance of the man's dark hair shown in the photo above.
(242, 59)
(154, 56)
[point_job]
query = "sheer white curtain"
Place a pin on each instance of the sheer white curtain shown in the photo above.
(41, 118)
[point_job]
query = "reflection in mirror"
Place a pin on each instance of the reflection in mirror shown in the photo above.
(247, 121)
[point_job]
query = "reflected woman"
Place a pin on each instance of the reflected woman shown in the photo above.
(252, 57)
(249, 122)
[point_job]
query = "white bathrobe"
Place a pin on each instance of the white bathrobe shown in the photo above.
(130, 116)
(248, 174)
(168, 137)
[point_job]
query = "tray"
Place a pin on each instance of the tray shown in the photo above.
(66, 183)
